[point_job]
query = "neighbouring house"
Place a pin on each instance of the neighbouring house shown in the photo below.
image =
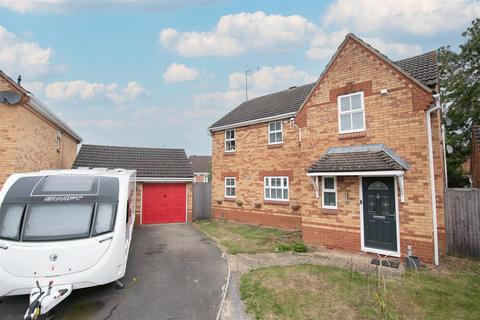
(164, 179)
(32, 137)
(354, 160)
(475, 158)
(201, 166)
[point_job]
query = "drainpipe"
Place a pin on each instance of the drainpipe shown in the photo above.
(432, 177)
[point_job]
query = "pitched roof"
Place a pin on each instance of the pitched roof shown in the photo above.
(275, 104)
(421, 69)
(200, 163)
(373, 157)
(149, 162)
(41, 108)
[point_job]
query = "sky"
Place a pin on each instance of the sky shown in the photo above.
(159, 73)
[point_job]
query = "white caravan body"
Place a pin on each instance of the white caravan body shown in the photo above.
(67, 227)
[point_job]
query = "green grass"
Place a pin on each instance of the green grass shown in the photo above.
(321, 292)
(241, 238)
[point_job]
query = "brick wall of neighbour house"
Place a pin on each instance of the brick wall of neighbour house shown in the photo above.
(475, 163)
(250, 163)
(397, 120)
(138, 208)
(199, 178)
(28, 141)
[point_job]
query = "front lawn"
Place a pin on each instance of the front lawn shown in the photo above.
(321, 292)
(241, 238)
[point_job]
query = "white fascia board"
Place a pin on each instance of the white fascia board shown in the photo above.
(41, 108)
(164, 180)
(357, 173)
(255, 121)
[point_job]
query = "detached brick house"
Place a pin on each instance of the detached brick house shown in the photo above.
(32, 137)
(354, 161)
(475, 158)
(164, 179)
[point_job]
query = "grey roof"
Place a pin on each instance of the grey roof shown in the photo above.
(149, 162)
(200, 163)
(423, 67)
(369, 157)
(283, 102)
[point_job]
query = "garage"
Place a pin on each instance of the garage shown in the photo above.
(164, 179)
(164, 203)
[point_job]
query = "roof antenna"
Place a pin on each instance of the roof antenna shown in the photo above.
(247, 71)
(19, 79)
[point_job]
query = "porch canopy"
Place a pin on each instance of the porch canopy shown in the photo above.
(361, 160)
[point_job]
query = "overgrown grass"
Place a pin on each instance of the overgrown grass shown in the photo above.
(240, 238)
(321, 292)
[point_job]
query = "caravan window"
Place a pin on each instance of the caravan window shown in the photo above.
(54, 185)
(58, 221)
(10, 220)
(104, 219)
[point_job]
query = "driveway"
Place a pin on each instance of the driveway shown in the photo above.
(174, 272)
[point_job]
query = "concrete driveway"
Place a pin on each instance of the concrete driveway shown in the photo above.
(174, 272)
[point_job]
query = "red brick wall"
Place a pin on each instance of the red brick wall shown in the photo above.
(475, 162)
(397, 120)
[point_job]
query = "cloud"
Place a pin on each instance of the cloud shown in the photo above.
(262, 81)
(23, 57)
(82, 90)
(417, 17)
(180, 73)
(237, 33)
(60, 6)
(99, 123)
(271, 78)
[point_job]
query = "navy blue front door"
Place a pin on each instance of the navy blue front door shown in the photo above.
(379, 223)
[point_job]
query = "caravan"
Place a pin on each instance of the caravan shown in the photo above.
(64, 230)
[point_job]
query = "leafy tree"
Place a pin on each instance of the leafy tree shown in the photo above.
(460, 92)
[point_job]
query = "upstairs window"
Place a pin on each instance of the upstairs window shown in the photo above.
(275, 135)
(229, 140)
(230, 186)
(276, 188)
(329, 197)
(351, 113)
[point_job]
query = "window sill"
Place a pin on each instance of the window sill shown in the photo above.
(229, 153)
(229, 199)
(282, 203)
(328, 211)
(274, 145)
(352, 135)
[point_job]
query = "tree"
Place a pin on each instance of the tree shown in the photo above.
(459, 74)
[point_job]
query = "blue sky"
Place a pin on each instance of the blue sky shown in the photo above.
(158, 73)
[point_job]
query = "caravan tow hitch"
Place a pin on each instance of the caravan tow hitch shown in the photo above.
(43, 300)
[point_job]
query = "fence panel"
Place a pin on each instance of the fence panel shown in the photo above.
(202, 194)
(462, 218)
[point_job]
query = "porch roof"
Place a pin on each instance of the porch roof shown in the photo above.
(361, 158)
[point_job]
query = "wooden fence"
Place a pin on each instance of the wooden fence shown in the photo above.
(462, 218)
(202, 194)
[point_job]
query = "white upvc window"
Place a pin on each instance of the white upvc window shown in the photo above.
(329, 192)
(275, 134)
(276, 188)
(230, 140)
(351, 112)
(230, 187)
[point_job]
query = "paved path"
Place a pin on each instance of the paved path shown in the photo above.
(174, 272)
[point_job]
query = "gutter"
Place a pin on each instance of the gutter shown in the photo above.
(432, 178)
(249, 122)
(148, 179)
(41, 108)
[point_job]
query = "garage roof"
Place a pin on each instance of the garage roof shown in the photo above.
(149, 162)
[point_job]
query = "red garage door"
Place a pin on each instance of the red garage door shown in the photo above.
(163, 203)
